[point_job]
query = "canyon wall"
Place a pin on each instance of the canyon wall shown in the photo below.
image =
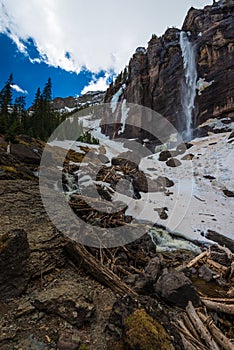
(155, 76)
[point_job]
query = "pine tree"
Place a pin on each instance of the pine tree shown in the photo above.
(48, 115)
(47, 91)
(6, 104)
(15, 125)
(37, 125)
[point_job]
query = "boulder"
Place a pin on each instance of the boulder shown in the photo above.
(205, 273)
(153, 268)
(164, 181)
(173, 162)
(164, 155)
(176, 289)
(69, 301)
(140, 182)
(143, 283)
(14, 271)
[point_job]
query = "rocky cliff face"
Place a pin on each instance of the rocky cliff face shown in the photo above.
(69, 104)
(156, 75)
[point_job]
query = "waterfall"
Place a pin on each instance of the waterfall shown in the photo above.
(188, 92)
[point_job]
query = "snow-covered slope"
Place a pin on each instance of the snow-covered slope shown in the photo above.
(201, 198)
(197, 202)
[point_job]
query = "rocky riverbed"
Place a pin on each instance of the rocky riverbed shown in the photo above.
(51, 299)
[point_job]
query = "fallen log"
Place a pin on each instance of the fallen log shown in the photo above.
(81, 257)
(190, 326)
(187, 344)
(197, 258)
(217, 266)
(219, 307)
(198, 324)
(184, 332)
(220, 239)
(219, 300)
(219, 337)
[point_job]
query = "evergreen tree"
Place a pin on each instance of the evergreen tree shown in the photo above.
(6, 104)
(37, 128)
(15, 125)
(20, 106)
(47, 91)
(48, 115)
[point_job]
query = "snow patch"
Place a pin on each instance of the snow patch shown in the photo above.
(124, 115)
(115, 98)
(202, 84)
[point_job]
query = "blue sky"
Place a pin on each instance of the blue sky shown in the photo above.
(29, 76)
(80, 45)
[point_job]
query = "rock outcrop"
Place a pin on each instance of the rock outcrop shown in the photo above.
(69, 104)
(155, 76)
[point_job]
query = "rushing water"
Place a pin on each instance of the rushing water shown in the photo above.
(188, 92)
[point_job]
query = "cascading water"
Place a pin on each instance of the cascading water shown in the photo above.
(188, 92)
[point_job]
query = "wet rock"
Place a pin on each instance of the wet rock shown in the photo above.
(67, 301)
(69, 340)
(176, 289)
(173, 162)
(205, 273)
(14, 255)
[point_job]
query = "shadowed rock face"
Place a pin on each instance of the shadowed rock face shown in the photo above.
(14, 255)
(155, 75)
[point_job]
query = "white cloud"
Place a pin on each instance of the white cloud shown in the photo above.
(97, 84)
(17, 88)
(98, 35)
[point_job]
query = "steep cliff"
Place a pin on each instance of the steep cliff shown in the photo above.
(156, 77)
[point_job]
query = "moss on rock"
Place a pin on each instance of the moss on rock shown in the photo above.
(142, 332)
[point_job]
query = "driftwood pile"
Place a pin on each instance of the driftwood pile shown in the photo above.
(200, 328)
(207, 327)
(99, 213)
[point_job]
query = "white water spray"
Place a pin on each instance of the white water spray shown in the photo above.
(189, 85)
